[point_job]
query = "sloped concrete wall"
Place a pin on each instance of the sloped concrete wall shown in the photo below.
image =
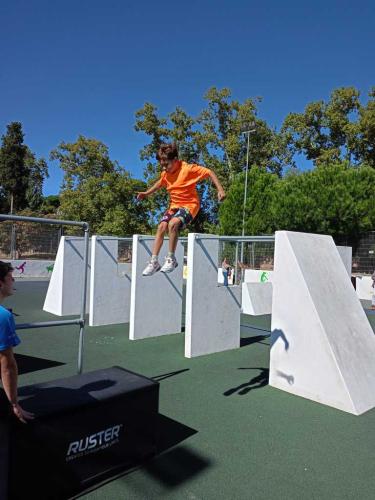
(322, 345)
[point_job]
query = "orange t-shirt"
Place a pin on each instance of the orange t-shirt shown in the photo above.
(181, 186)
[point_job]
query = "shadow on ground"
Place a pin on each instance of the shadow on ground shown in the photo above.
(257, 382)
(28, 364)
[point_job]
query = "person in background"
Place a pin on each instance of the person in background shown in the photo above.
(226, 269)
(9, 340)
(373, 293)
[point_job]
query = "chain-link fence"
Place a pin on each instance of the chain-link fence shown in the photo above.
(19, 240)
(125, 249)
(37, 241)
(251, 255)
(363, 253)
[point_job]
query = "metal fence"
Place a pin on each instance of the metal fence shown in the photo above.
(255, 255)
(125, 251)
(363, 253)
(19, 240)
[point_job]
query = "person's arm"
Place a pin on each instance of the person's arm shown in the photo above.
(219, 187)
(143, 194)
(9, 378)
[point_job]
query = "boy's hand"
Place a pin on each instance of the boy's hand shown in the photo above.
(221, 195)
(141, 195)
(22, 414)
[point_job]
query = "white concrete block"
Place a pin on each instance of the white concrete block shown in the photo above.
(156, 301)
(346, 257)
(364, 287)
(257, 298)
(30, 268)
(257, 276)
(65, 287)
(212, 311)
(110, 283)
(322, 345)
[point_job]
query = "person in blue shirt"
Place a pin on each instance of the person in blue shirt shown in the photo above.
(9, 340)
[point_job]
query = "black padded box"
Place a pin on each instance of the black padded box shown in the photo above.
(88, 428)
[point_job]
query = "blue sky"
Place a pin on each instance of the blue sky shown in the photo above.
(85, 67)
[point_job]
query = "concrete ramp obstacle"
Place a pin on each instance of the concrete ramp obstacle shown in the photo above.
(65, 287)
(322, 345)
(257, 298)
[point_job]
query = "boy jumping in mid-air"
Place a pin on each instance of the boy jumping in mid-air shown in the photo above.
(180, 179)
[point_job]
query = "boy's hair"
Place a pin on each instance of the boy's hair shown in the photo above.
(5, 268)
(167, 151)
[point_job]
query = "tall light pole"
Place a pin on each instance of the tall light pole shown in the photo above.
(248, 132)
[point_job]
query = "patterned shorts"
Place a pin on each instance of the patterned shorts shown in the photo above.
(181, 213)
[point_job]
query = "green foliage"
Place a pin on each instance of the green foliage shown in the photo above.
(50, 204)
(98, 191)
(335, 199)
(37, 172)
(214, 138)
(258, 208)
(341, 129)
(82, 160)
(21, 173)
(364, 133)
(13, 169)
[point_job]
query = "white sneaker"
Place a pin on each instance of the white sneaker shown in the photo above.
(152, 267)
(169, 265)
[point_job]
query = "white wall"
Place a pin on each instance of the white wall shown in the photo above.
(346, 257)
(28, 268)
(257, 276)
(322, 345)
(212, 311)
(364, 287)
(110, 283)
(156, 301)
(257, 298)
(65, 287)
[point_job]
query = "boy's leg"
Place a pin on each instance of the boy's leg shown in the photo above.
(159, 238)
(170, 261)
(153, 266)
(180, 219)
(174, 228)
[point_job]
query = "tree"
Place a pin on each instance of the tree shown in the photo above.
(258, 208)
(50, 204)
(37, 172)
(107, 204)
(13, 169)
(364, 133)
(82, 160)
(341, 129)
(215, 138)
(99, 191)
(336, 200)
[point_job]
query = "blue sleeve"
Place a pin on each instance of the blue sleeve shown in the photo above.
(8, 336)
(5, 334)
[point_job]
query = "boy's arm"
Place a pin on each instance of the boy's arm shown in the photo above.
(143, 194)
(9, 376)
(219, 187)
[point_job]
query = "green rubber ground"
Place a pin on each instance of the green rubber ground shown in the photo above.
(226, 434)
